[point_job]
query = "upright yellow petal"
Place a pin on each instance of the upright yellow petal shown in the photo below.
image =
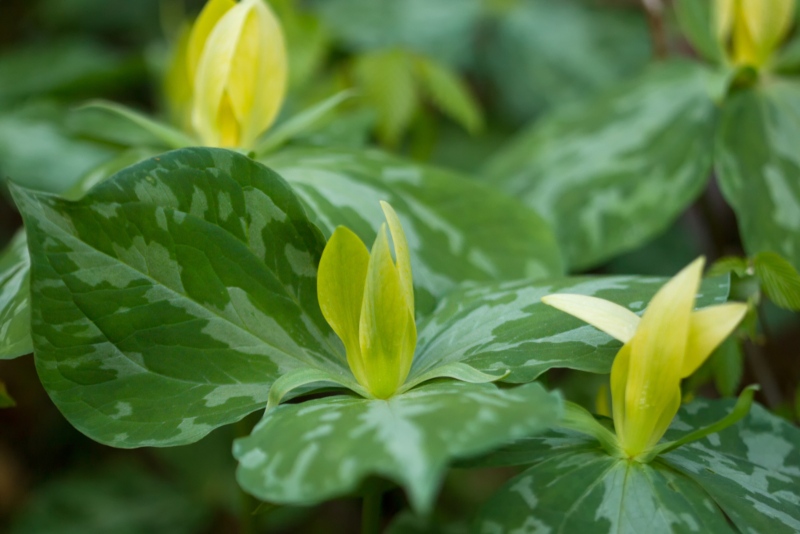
(619, 380)
(401, 252)
(341, 277)
(759, 27)
(208, 18)
(708, 328)
(387, 330)
(615, 320)
(657, 352)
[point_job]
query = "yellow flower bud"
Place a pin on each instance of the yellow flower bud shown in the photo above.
(751, 30)
(368, 299)
(234, 72)
(668, 343)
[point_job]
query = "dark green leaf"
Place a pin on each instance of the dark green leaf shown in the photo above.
(727, 364)
(614, 172)
(449, 94)
(696, 18)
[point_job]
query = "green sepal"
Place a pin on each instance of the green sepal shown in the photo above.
(579, 419)
(302, 377)
(458, 370)
(739, 411)
(163, 134)
(300, 123)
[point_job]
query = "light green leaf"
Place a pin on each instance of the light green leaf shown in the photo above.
(727, 364)
(387, 81)
(189, 277)
(758, 164)
(449, 94)
(612, 173)
(15, 330)
(457, 229)
(779, 279)
(749, 473)
(505, 326)
(729, 264)
(409, 439)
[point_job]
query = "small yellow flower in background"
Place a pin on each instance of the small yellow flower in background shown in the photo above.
(228, 78)
(751, 30)
(668, 343)
(368, 299)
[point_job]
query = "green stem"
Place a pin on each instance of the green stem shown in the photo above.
(247, 503)
(371, 512)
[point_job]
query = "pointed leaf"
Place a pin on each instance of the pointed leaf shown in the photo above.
(457, 229)
(450, 94)
(162, 135)
(757, 163)
(780, 280)
(605, 190)
(189, 277)
(409, 439)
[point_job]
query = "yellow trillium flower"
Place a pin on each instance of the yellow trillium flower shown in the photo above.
(228, 78)
(368, 299)
(668, 343)
(751, 30)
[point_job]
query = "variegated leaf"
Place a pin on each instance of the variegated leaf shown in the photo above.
(167, 300)
(743, 479)
(457, 229)
(15, 335)
(614, 172)
(758, 164)
(505, 326)
(310, 452)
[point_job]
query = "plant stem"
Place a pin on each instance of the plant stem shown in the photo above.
(247, 503)
(371, 512)
(658, 34)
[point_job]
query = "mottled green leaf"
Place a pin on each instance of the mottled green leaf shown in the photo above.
(779, 279)
(749, 473)
(505, 326)
(614, 172)
(758, 164)
(120, 499)
(457, 229)
(167, 300)
(410, 439)
(15, 331)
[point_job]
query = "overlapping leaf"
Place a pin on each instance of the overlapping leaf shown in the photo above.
(612, 173)
(457, 229)
(307, 453)
(167, 300)
(15, 337)
(748, 473)
(758, 164)
(505, 326)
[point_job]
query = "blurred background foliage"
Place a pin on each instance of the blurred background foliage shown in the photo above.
(449, 82)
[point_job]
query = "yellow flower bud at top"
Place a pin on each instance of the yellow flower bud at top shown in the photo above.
(751, 30)
(667, 344)
(368, 299)
(234, 73)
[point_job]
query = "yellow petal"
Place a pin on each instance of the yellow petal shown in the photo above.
(615, 320)
(619, 380)
(387, 330)
(760, 26)
(341, 277)
(669, 408)
(707, 329)
(208, 18)
(245, 58)
(657, 352)
(401, 252)
(723, 19)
